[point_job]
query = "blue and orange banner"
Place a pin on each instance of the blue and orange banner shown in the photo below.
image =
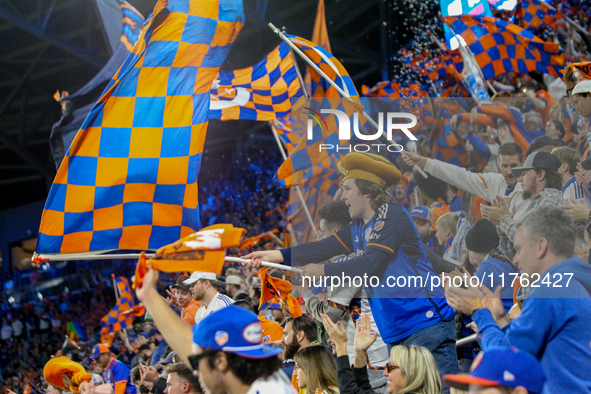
(129, 179)
(500, 47)
(116, 320)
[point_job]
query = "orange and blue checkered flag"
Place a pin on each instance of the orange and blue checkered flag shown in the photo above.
(132, 22)
(116, 320)
(261, 92)
(129, 179)
(308, 153)
(446, 145)
(535, 15)
(501, 47)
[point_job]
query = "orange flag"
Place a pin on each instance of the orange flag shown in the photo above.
(320, 34)
(252, 241)
(278, 289)
(107, 338)
(138, 310)
(204, 250)
(581, 71)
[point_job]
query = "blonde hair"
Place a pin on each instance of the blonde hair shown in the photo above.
(320, 369)
(448, 221)
(418, 368)
(569, 156)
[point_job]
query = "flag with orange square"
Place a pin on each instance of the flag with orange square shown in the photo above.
(116, 320)
(500, 47)
(129, 179)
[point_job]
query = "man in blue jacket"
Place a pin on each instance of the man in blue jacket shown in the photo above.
(389, 261)
(554, 324)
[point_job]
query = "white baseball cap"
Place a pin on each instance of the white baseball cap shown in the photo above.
(195, 276)
(582, 87)
(233, 280)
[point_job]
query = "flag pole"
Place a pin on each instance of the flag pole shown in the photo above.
(323, 75)
(297, 188)
(73, 257)
(115, 288)
(266, 264)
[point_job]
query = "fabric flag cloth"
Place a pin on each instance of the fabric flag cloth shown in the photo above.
(137, 311)
(307, 153)
(262, 92)
(446, 64)
(76, 106)
(433, 65)
(501, 47)
(252, 241)
(75, 332)
(289, 137)
(204, 251)
(535, 15)
(279, 290)
(129, 180)
(581, 71)
(394, 89)
(447, 145)
(115, 320)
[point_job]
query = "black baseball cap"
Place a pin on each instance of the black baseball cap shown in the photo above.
(179, 283)
(540, 142)
(540, 161)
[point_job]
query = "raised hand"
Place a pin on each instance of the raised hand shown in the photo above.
(413, 159)
(171, 299)
(363, 336)
(337, 333)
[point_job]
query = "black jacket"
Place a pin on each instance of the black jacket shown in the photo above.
(352, 380)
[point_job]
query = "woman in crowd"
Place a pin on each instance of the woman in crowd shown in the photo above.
(411, 369)
(316, 370)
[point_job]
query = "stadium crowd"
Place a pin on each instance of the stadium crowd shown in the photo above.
(516, 216)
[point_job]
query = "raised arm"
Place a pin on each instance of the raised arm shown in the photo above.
(479, 184)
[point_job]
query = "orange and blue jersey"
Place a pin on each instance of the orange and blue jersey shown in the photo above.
(117, 374)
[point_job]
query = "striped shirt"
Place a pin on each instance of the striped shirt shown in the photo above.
(219, 301)
(573, 189)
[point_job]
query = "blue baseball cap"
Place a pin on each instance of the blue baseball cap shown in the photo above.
(502, 366)
(274, 305)
(421, 212)
(233, 330)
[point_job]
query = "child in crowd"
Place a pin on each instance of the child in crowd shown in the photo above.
(445, 230)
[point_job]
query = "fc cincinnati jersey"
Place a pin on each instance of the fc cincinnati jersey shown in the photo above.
(400, 305)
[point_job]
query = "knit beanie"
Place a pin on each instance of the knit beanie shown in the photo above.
(482, 237)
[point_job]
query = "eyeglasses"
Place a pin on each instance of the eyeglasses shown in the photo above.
(195, 359)
(391, 367)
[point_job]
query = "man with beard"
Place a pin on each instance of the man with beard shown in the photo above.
(184, 300)
(299, 332)
(487, 185)
(204, 288)
(541, 183)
